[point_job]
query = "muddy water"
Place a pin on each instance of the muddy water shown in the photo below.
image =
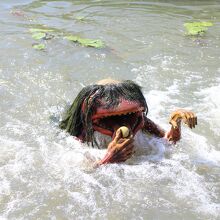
(44, 173)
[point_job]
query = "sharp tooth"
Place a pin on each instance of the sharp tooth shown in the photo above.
(119, 114)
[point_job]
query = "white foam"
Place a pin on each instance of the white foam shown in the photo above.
(210, 107)
(43, 169)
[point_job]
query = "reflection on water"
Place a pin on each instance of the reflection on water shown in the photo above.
(44, 173)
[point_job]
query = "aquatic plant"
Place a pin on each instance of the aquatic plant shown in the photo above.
(45, 34)
(38, 36)
(38, 46)
(96, 43)
(197, 28)
(39, 33)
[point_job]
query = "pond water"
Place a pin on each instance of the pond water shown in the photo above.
(44, 173)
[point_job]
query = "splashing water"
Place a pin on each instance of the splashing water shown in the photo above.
(47, 174)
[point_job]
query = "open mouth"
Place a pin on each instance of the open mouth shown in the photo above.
(109, 122)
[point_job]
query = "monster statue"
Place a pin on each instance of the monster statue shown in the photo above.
(119, 110)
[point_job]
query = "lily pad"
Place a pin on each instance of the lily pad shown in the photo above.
(39, 46)
(86, 42)
(91, 43)
(197, 28)
(34, 30)
(38, 36)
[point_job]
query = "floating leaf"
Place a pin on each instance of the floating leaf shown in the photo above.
(38, 33)
(197, 28)
(91, 43)
(86, 42)
(39, 46)
(34, 30)
(38, 36)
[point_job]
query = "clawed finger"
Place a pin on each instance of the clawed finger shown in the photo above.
(175, 120)
(173, 123)
(123, 155)
(118, 135)
(124, 151)
(188, 117)
(192, 120)
(124, 143)
(195, 120)
(128, 149)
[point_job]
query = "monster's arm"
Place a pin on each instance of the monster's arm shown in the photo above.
(152, 128)
(174, 134)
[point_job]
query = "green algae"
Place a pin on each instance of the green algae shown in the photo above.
(197, 28)
(39, 46)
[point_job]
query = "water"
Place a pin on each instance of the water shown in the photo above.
(44, 173)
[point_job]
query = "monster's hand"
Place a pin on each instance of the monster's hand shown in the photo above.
(188, 117)
(119, 150)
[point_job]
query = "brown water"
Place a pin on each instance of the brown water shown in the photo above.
(44, 174)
